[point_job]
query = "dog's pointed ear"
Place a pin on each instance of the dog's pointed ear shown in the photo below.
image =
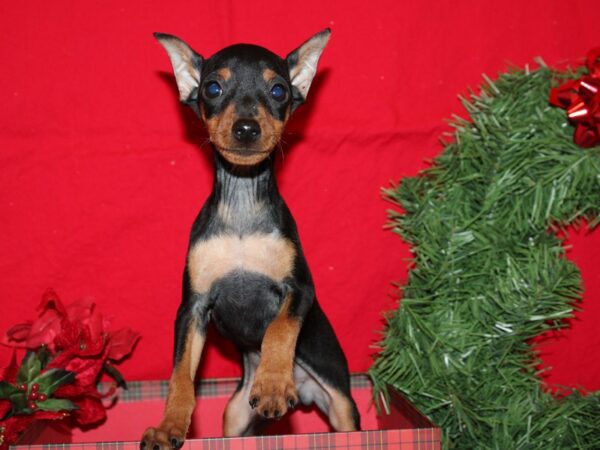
(187, 66)
(302, 64)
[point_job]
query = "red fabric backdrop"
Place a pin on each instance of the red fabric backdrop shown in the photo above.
(102, 174)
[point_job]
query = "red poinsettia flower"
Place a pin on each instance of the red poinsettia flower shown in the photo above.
(72, 339)
(83, 391)
(43, 330)
(121, 343)
(19, 332)
(82, 333)
(11, 428)
(9, 373)
(5, 407)
(77, 329)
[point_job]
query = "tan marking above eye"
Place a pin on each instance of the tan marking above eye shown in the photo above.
(269, 74)
(266, 254)
(224, 73)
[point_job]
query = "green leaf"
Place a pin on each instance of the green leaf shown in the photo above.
(52, 379)
(56, 404)
(43, 355)
(19, 403)
(7, 389)
(30, 368)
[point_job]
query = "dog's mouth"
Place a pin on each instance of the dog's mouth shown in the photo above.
(243, 156)
(243, 150)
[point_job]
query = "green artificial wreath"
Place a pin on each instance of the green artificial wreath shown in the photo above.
(490, 274)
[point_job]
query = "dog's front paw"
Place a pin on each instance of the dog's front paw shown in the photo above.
(165, 437)
(273, 394)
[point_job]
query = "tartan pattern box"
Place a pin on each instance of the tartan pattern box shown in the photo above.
(404, 428)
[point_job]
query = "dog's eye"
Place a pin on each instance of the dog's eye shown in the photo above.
(212, 89)
(278, 92)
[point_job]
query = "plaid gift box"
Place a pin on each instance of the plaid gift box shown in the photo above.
(404, 428)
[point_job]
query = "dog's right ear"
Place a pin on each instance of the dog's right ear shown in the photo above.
(302, 64)
(187, 66)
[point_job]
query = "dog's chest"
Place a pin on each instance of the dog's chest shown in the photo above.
(267, 254)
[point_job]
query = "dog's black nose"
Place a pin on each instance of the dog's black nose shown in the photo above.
(246, 131)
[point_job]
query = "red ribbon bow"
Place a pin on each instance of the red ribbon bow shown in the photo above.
(581, 99)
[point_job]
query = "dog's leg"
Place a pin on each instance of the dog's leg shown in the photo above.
(341, 410)
(319, 354)
(190, 333)
(274, 391)
(239, 418)
(336, 404)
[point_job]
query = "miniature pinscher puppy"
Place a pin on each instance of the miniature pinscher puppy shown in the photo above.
(245, 268)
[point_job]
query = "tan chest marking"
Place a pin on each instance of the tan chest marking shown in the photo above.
(267, 254)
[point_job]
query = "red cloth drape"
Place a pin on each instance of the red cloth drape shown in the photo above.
(102, 175)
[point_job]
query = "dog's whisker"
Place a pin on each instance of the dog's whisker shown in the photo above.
(280, 147)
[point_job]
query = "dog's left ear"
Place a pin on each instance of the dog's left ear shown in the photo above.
(302, 64)
(187, 66)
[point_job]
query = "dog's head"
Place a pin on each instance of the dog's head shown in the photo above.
(244, 93)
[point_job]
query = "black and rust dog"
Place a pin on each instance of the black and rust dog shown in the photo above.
(245, 268)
